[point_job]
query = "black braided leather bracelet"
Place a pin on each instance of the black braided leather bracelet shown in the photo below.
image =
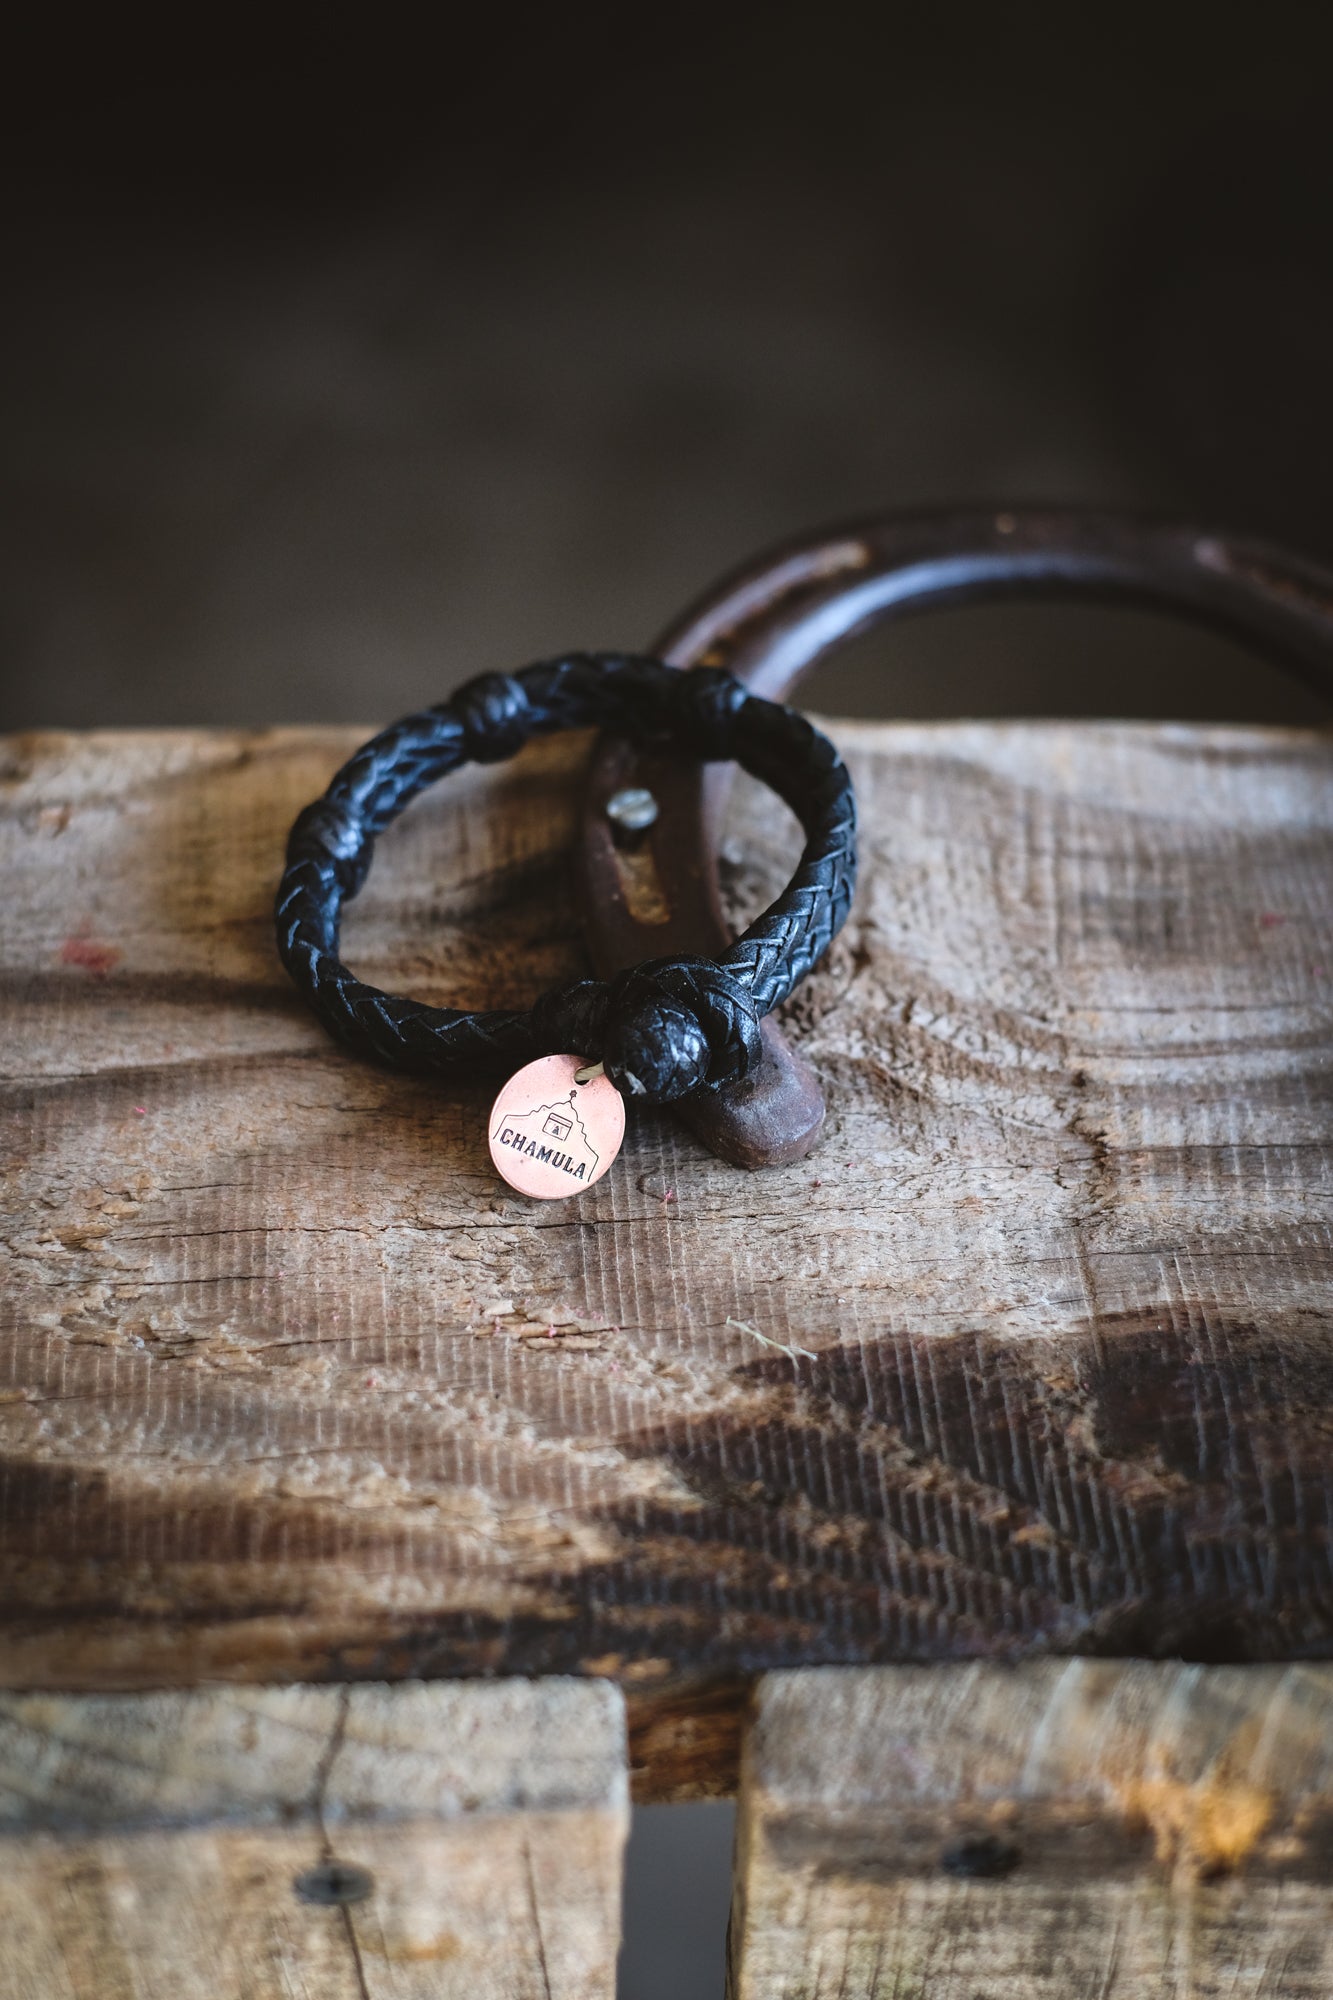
(658, 1031)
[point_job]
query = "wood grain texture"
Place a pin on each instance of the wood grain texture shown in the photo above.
(158, 1847)
(294, 1388)
(1083, 1830)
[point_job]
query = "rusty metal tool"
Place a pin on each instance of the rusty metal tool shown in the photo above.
(647, 891)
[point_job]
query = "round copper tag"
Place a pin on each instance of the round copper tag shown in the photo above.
(552, 1136)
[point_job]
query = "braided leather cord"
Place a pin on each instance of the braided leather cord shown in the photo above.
(663, 1028)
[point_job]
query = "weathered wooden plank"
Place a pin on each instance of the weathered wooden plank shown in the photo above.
(382, 1843)
(1089, 1830)
(293, 1388)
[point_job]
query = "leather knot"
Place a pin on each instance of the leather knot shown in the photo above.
(678, 1024)
(496, 716)
(663, 1029)
(331, 833)
(708, 703)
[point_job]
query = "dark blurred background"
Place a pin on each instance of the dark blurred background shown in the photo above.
(344, 357)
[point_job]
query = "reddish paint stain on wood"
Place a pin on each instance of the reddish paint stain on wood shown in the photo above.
(88, 955)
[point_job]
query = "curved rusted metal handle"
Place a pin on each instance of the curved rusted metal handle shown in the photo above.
(774, 620)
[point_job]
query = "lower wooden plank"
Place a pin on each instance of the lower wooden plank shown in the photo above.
(375, 1843)
(1120, 1831)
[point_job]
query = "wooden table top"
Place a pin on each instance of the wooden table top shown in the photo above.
(1034, 1354)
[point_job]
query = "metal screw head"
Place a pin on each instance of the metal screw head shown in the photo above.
(333, 1883)
(633, 810)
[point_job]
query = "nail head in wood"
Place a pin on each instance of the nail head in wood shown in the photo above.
(334, 1884)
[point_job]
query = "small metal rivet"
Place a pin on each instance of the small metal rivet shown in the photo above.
(980, 1859)
(633, 810)
(334, 1883)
